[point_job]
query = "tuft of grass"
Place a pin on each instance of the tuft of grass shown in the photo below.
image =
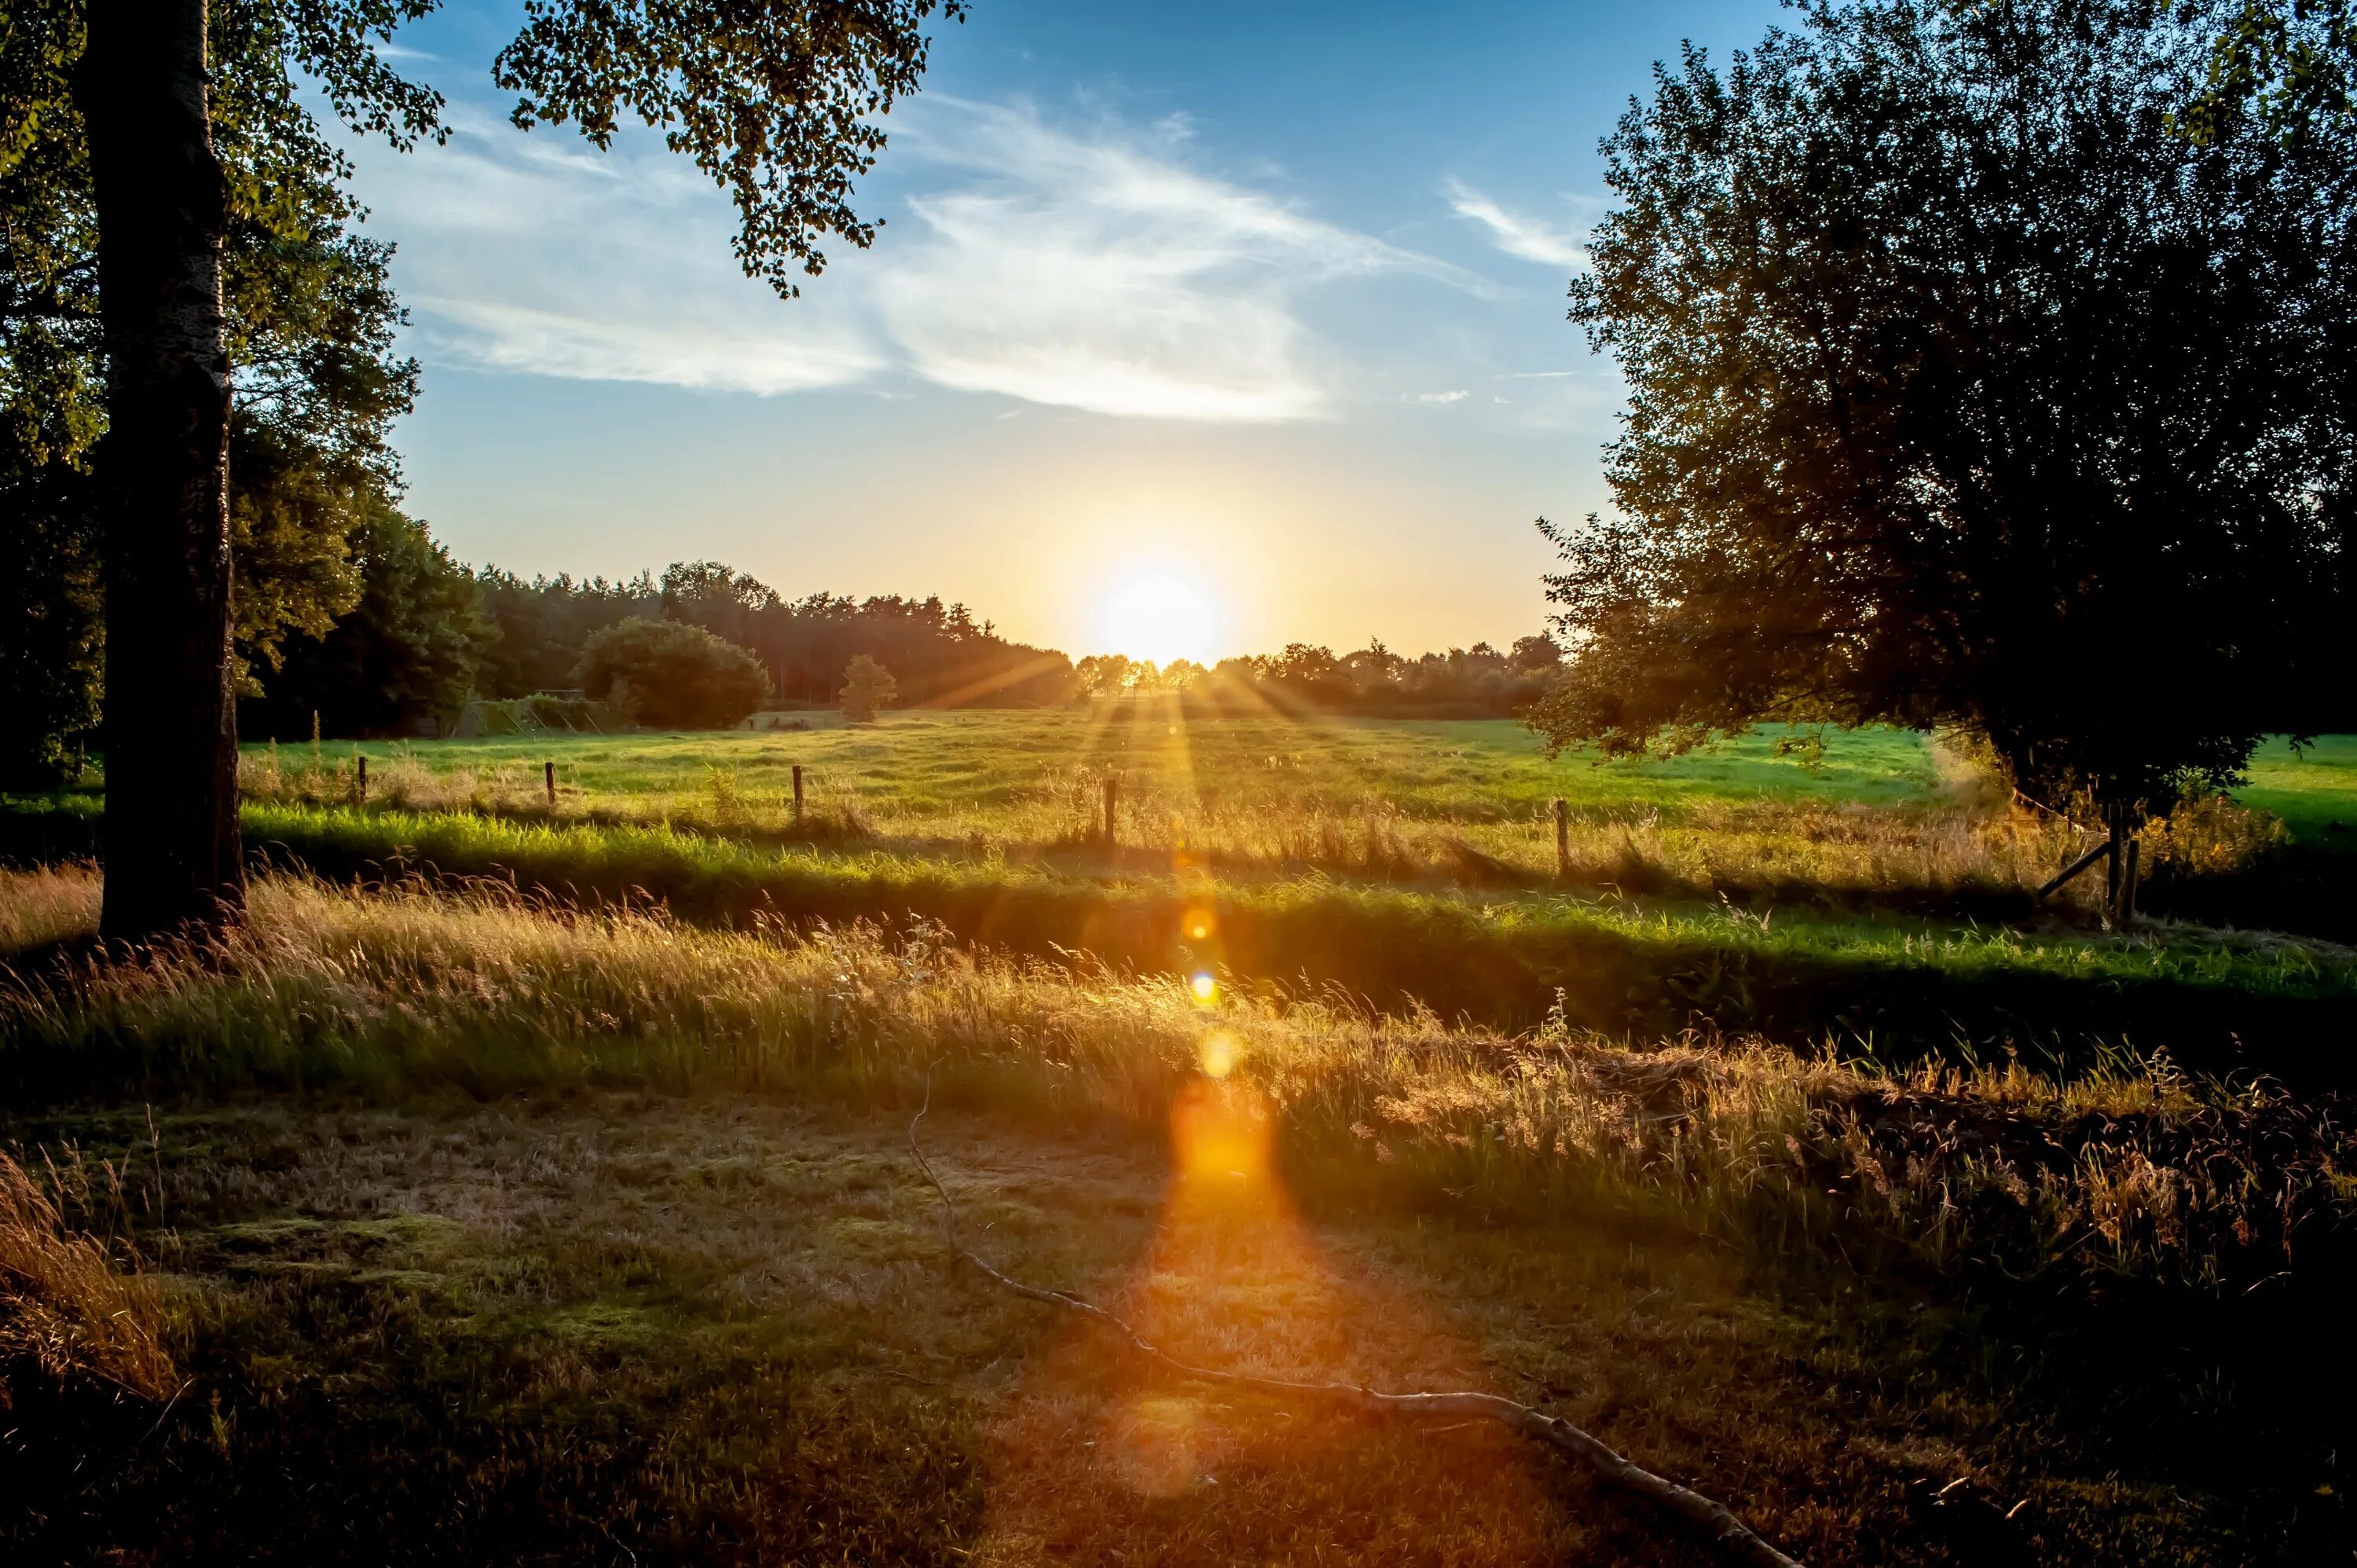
(47, 905)
(73, 1306)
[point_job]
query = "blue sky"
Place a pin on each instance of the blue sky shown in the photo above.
(1267, 300)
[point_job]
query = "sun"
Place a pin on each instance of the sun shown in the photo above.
(1157, 615)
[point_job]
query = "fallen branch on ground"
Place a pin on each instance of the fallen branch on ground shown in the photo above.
(1730, 1532)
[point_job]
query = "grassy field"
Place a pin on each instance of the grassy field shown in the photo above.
(2314, 790)
(532, 1185)
(1879, 895)
(959, 769)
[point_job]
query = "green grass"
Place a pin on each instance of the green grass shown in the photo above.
(921, 764)
(2313, 790)
(1906, 986)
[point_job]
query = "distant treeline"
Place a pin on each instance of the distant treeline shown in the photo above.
(1464, 682)
(939, 655)
(427, 634)
(419, 645)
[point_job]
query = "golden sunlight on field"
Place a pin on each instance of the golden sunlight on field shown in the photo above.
(1100, 1458)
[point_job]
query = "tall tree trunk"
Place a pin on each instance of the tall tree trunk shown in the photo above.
(173, 857)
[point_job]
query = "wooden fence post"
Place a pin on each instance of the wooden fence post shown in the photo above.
(2114, 814)
(1562, 813)
(548, 772)
(1111, 804)
(360, 783)
(798, 791)
(2128, 887)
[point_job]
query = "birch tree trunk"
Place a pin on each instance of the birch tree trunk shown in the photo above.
(170, 838)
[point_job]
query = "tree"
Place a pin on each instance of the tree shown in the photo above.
(868, 689)
(407, 650)
(1962, 391)
(778, 104)
(309, 319)
(673, 676)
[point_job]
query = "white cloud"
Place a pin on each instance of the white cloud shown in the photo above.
(507, 336)
(1528, 238)
(1092, 270)
(1098, 273)
(1460, 395)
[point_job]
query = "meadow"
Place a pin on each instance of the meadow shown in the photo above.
(1871, 886)
(537, 1184)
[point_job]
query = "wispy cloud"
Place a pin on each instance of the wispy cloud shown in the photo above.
(1095, 271)
(1089, 267)
(1457, 395)
(1528, 238)
(501, 336)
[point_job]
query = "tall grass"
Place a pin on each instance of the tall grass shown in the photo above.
(74, 1305)
(2131, 1169)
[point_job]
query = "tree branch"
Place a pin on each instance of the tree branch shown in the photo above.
(1731, 1533)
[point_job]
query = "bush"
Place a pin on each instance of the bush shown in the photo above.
(673, 676)
(866, 687)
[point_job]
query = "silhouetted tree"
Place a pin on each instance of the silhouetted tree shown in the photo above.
(779, 104)
(673, 676)
(1962, 391)
(868, 690)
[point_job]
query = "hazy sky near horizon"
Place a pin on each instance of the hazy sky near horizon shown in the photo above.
(1267, 298)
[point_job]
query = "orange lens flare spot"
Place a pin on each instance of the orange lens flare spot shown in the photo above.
(1222, 1128)
(1218, 1053)
(1198, 924)
(1154, 1446)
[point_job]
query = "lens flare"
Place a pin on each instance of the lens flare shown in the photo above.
(1219, 1053)
(1206, 988)
(1223, 1129)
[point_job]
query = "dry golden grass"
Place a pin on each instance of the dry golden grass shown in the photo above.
(72, 1305)
(47, 905)
(2128, 1169)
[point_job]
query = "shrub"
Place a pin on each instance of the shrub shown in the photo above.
(673, 676)
(867, 686)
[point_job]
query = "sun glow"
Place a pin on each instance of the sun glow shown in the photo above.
(1160, 615)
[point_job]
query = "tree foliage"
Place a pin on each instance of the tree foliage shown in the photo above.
(2292, 64)
(777, 103)
(1962, 391)
(672, 676)
(406, 651)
